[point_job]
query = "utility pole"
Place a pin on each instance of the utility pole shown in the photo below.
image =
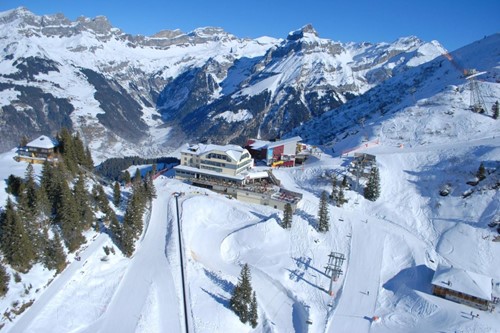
(333, 268)
(181, 252)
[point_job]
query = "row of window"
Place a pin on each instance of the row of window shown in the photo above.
(213, 163)
(210, 168)
(219, 156)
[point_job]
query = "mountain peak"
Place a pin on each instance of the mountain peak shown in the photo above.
(305, 30)
(168, 34)
(13, 14)
(99, 24)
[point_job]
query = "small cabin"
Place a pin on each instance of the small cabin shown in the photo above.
(39, 150)
(461, 286)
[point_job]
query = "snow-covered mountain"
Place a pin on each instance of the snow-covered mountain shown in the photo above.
(416, 121)
(129, 92)
(438, 85)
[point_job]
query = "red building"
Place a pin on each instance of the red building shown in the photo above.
(278, 153)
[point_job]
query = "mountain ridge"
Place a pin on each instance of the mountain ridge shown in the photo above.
(186, 86)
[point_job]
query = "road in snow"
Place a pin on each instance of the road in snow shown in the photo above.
(356, 307)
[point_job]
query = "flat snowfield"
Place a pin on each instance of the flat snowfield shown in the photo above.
(392, 248)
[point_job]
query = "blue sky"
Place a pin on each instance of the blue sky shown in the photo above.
(454, 23)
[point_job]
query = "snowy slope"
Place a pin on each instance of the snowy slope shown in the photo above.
(392, 248)
(424, 139)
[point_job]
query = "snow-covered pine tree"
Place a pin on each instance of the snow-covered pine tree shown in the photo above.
(116, 194)
(241, 299)
(341, 198)
(335, 190)
(287, 216)
(254, 316)
(495, 109)
(323, 214)
(344, 182)
(372, 189)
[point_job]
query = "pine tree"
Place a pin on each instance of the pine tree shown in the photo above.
(47, 179)
(495, 109)
(254, 316)
(15, 185)
(54, 256)
(82, 200)
(323, 213)
(67, 150)
(31, 187)
(335, 190)
(341, 198)
(27, 212)
(43, 205)
(101, 198)
(4, 281)
(237, 303)
(287, 216)
(135, 212)
(116, 228)
(344, 182)
(481, 172)
(242, 295)
(372, 189)
(149, 187)
(137, 175)
(68, 218)
(116, 194)
(79, 151)
(127, 241)
(89, 163)
(126, 177)
(15, 243)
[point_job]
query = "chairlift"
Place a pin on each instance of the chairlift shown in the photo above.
(309, 321)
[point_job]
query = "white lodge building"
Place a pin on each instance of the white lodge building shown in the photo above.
(214, 162)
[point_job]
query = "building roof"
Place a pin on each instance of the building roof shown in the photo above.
(261, 144)
(43, 142)
(294, 139)
(463, 281)
(232, 151)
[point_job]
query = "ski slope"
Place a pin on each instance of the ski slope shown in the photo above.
(392, 248)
